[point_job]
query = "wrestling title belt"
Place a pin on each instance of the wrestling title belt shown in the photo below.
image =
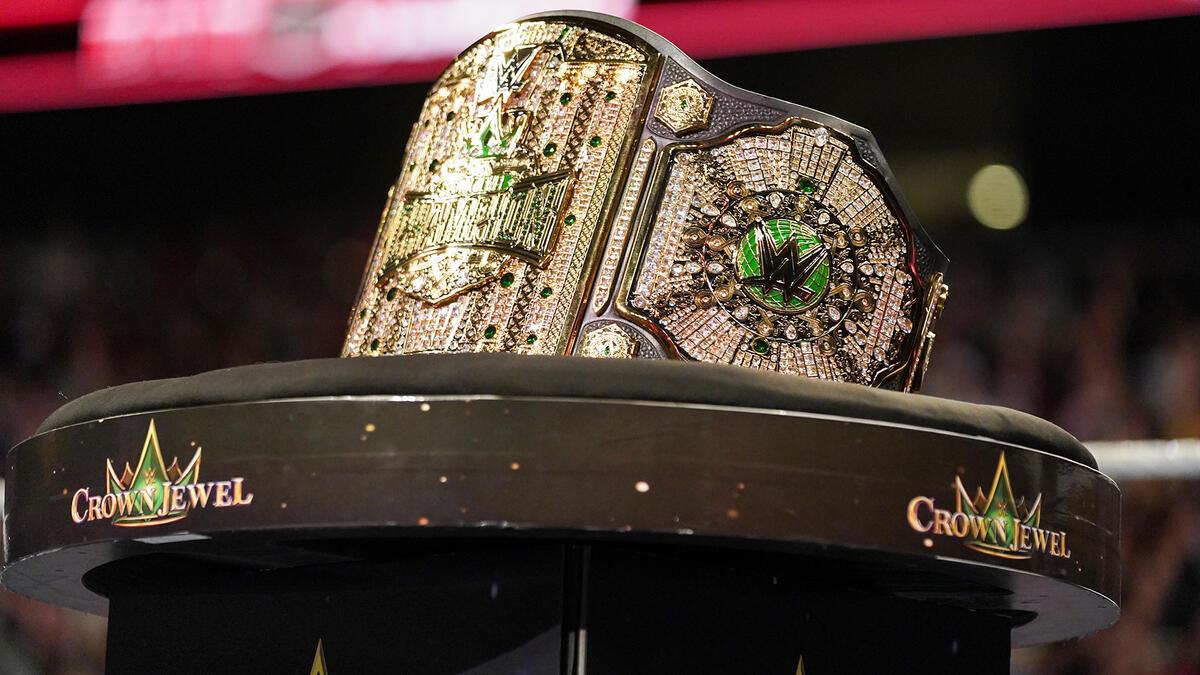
(577, 185)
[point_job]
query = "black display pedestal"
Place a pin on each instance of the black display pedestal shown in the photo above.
(493, 607)
(502, 532)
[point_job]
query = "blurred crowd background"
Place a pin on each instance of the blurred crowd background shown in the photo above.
(162, 240)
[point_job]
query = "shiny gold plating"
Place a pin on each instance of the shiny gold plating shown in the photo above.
(683, 288)
(608, 342)
(684, 107)
(491, 225)
(535, 195)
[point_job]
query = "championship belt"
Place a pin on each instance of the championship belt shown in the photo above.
(577, 185)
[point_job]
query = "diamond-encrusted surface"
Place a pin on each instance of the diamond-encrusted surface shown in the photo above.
(620, 228)
(830, 306)
(684, 107)
(728, 112)
(607, 338)
(529, 216)
(506, 175)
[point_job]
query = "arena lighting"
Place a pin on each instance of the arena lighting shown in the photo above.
(141, 51)
(997, 197)
(172, 40)
(1177, 459)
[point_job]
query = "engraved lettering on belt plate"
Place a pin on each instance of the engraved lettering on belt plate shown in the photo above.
(487, 207)
(446, 243)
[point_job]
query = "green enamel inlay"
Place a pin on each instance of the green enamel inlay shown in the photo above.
(749, 265)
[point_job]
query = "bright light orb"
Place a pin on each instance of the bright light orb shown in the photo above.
(997, 197)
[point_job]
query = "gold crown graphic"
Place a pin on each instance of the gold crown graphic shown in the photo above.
(1001, 511)
(148, 485)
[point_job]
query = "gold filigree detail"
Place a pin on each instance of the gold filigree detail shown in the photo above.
(506, 178)
(616, 244)
(934, 303)
(684, 107)
(608, 342)
(720, 200)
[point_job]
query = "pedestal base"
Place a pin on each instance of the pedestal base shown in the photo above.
(502, 608)
(233, 521)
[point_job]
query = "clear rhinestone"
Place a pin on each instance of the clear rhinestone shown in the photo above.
(866, 269)
(715, 268)
(693, 268)
(418, 283)
(728, 220)
(821, 137)
(835, 313)
(823, 218)
(710, 210)
(851, 327)
(741, 313)
(677, 270)
(848, 267)
(905, 324)
(790, 333)
(775, 199)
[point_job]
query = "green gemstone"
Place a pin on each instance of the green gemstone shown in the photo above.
(565, 98)
(362, 314)
(391, 294)
(549, 149)
(450, 116)
(547, 292)
(683, 104)
(531, 339)
(807, 187)
(570, 219)
(764, 285)
(595, 141)
(433, 165)
(760, 346)
(375, 345)
(608, 96)
(506, 280)
(489, 332)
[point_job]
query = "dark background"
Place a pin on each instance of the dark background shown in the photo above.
(161, 240)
